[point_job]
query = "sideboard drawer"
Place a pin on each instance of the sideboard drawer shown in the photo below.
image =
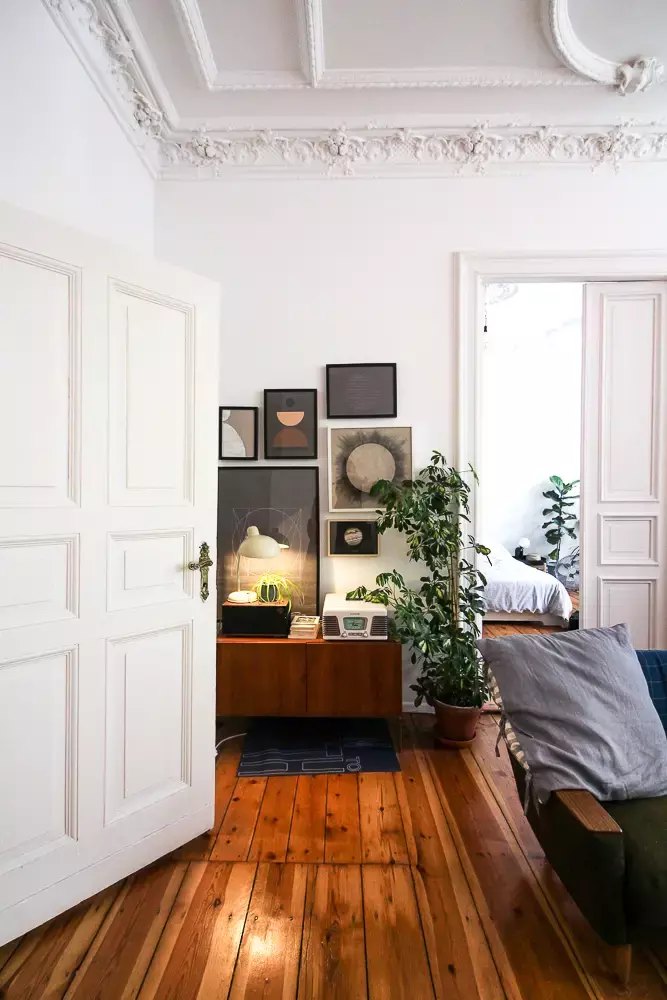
(354, 678)
(261, 678)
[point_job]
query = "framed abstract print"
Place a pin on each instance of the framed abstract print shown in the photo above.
(290, 423)
(283, 503)
(238, 433)
(359, 457)
(363, 390)
(353, 538)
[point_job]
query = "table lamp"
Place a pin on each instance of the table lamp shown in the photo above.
(253, 546)
(520, 551)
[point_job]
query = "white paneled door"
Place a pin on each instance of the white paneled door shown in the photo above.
(623, 506)
(108, 480)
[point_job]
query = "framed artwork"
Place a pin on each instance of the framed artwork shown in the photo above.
(365, 390)
(290, 423)
(353, 538)
(238, 433)
(283, 503)
(359, 456)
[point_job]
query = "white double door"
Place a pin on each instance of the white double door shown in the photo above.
(108, 399)
(624, 459)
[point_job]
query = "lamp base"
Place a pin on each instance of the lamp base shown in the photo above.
(243, 597)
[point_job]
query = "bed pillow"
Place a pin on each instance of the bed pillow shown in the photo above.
(580, 707)
(498, 554)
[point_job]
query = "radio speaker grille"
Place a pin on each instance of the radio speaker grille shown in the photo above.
(380, 625)
(330, 625)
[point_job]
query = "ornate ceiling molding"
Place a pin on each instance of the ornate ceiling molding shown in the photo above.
(343, 153)
(106, 39)
(630, 77)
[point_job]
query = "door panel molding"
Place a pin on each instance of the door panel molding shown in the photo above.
(151, 393)
(620, 442)
(66, 490)
(630, 600)
(615, 546)
(131, 555)
(34, 770)
(141, 767)
(24, 597)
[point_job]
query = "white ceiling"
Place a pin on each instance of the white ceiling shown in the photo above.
(280, 63)
(317, 65)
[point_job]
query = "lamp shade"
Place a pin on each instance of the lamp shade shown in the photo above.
(256, 546)
(524, 542)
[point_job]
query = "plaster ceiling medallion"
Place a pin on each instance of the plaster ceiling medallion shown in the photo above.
(630, 77)
(107, 37)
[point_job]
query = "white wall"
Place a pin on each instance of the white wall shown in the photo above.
(322, 271)
(531, 367)
(63, 153)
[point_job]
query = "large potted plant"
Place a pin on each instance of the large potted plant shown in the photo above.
(562, 521)
(439, 621)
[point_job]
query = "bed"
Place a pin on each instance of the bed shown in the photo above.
(517, 592)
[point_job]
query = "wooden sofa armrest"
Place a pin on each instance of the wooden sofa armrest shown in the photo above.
(588, 811)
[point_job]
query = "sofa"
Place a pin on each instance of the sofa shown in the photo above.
(611, 857)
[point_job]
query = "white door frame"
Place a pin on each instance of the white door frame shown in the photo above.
(475, 270)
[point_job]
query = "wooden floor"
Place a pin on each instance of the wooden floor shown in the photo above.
(427, 883)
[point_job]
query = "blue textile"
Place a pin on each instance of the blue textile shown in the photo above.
(654, 664)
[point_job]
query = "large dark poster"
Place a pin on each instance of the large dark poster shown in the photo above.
(283, 503)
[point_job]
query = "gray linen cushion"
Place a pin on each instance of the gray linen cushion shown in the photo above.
(579, 704)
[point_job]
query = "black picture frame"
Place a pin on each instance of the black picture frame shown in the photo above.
(255, 435)
(284, 502)
(368, 544)
(274, 428)
(350, 392)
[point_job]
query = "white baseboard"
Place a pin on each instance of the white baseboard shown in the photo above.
(424, 709)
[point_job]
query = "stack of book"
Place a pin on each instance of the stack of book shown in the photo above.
(304, 627)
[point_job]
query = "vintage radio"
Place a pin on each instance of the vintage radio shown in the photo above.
(343, 619)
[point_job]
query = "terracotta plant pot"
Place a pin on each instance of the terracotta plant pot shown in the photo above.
(455, 726)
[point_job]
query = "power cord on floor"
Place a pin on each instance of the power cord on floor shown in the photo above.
(219, 744)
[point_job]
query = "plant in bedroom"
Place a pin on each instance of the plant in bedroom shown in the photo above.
(561, 519)
(439, 621)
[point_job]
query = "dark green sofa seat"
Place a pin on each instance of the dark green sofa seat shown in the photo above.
(644, 825)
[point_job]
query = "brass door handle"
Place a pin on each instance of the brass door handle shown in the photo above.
(205, 562)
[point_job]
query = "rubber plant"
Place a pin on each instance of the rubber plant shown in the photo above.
(439, 620)
(561, 519)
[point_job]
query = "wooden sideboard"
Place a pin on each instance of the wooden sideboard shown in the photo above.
(308, 677)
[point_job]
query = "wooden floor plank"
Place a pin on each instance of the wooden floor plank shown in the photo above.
(418, 820)
(343, 837)
(382, 836)
(268, 960)
(306, 839)
(275, 818)
(116, 963)
(199, 947)
(333, 957)
(7, 950)
(461, 963)
(238, 827)
(226, 766)
(42, 963)
(397, 964)
(536, 950)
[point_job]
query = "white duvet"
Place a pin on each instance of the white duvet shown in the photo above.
(513, 587)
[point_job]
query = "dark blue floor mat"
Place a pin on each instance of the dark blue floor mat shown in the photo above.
(317, 746)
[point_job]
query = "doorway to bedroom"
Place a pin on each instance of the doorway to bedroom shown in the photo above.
(530, 455)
